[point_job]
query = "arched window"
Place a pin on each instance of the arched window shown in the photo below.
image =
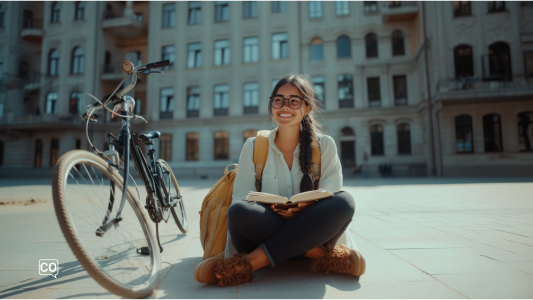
(492, 133)
(77, 61)
(525, 131)
(347, 140)
(1, 153)
(463, 134)
(165, 146)
(192, 139)
(343, 47)
(317, 52)
(56, 9)
(51, 103)
(376, 140)
(38, 162)
(404, 138)
(80, 10)
(398, 46)
(464, 61)
(345, 90)
(74, 103)
(371, 42)
(53, 62)
(248, 134)
(54, 152)
(221, 145)
(499, 59)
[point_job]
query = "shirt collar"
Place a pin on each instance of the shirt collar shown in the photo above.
(272, 137)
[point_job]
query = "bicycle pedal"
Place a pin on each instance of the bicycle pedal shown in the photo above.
(144, 251)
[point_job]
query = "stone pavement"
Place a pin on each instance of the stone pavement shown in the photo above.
(422, 238)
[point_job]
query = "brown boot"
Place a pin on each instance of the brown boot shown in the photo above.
(342, 260)
(234, 270)
(205, 271)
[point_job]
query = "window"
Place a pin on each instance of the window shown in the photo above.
(376, 140)
(74, 103)
(398, 46)
(138, 106)
(461, 8)
(165, 147)
(248, 134)
(195, 12)
(492, 133)
(77, 61)
(53, 62)
(342, 8)
(404, 139)
(345, 90)
(51, 103)
(192, 139)
(251, 97)
(135, 57)
(400, 90)
(464, 61)
(370, 6)
(319, 85)
(221, 11)
(194, 55)
(166, 108)
(221, 145)
(24, 68)
(280, 47)
(274, 83)
(27, 19)
(499, 62)
(138, 16)
(56, 9)
(371, 41)
(169, 15)
(168, 52)
(222, 53)
(249, 9)
(2, 16)
(528, 63)
(54, 152)
(374, 94)
(496, 6)
(80, 10)
(193, 101)
(463, 134)
(525, 131)
(1, 110)
(347, 143)
(343, 47)
(221, 99)
(315, 9)
(250, 50)
(1, 153)
(279, 7)
(38, 162)
(317, 52)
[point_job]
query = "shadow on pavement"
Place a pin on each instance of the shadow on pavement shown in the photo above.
(370, 182)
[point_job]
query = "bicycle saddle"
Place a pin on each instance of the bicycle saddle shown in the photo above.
(149, 137)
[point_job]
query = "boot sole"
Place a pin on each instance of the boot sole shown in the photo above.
(202, 267)
(361, 263)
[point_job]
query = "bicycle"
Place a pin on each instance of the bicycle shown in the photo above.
(109, 238)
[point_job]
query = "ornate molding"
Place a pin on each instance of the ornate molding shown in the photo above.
(462, 25)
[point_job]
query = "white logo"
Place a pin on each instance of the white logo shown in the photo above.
(49, 267)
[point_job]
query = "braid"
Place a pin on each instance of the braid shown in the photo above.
(306, 153)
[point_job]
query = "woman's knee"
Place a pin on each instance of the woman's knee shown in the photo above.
(244, 211)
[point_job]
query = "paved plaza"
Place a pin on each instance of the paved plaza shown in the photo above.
(422, 238)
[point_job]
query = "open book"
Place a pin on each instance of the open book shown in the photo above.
(275, 199)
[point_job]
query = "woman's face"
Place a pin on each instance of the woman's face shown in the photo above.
(287, 116)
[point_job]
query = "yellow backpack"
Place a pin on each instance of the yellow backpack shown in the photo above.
(214, 212)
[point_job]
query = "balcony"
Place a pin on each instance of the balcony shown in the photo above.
(123, 23)
(399, 11)
(32, 30)
(112, 72)
(33, 122)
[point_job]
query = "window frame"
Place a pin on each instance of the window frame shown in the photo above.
(53, 63)
(250, 49)
(193, 95)
(278, 7)
(464, 128)
(249, 9)
(165, 54)
(192, 146)
(51, 101)
(278, 46)
(221, 99)
(168, 19)
(342, 8)
(371, 45)
(77, 65)
(370, 7)
(398, 43)
(398, 101)
(343, 44)
(528, 136)
(315, 9)
(250, 94)
(194, 52)
(404, 139)
(348, 101)
(165, 147)
(222, 54)
(194, 16)
(463, 63)
(377, 144)
(463, 9)
(374, 100)
(221, 11)
(79, 11)
(225, 144)
(55, 16)
(165, 95)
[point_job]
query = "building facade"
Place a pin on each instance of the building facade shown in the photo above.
(430, 88)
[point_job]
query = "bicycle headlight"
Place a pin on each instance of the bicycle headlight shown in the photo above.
(129, 104)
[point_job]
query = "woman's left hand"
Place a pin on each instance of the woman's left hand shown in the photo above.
(291, 212)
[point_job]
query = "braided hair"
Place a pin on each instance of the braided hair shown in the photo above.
(309, 127)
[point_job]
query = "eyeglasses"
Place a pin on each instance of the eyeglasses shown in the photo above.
(295, 102)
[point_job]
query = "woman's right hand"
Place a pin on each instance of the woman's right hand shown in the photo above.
(293, 211)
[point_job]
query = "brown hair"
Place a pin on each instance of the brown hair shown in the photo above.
(310, 127)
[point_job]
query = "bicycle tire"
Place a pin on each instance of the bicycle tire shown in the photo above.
(71, 228)
(180, 216)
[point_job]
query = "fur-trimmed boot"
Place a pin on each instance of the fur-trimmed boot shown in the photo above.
(205, 270)
(227, 268)
(342, 260)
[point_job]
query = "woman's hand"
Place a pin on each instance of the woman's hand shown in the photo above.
(293, 211)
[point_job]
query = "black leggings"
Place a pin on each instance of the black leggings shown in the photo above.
(253, 225)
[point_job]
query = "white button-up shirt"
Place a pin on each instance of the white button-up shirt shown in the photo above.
(279, 180)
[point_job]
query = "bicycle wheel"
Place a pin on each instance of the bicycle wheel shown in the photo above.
(178, 211)
(87, 194)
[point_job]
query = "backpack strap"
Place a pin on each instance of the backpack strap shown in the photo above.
(260, 156)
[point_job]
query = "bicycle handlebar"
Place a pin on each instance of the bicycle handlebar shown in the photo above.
(159, 64)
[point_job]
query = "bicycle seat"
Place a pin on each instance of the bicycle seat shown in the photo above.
(149, 137)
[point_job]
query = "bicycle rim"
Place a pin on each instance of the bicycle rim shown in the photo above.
(178, 211)
(83, 189)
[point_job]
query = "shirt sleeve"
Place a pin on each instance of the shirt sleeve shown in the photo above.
(245, 179)
(330, 165)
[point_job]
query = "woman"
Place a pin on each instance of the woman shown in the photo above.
(261, 235)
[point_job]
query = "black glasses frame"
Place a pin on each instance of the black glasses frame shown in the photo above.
(272, 101)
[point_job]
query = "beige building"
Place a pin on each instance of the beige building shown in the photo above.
(367, 61)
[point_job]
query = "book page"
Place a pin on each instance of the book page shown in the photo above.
(310, 195)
